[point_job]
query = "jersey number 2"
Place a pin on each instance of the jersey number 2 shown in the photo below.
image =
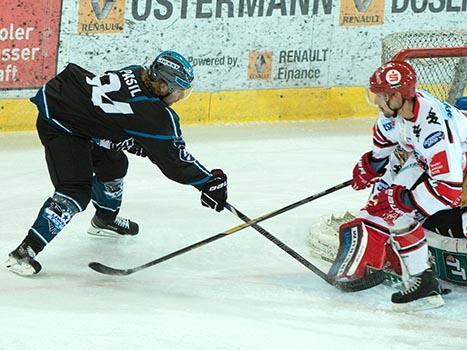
(100, 91)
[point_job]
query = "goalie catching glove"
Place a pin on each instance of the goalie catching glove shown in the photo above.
(364, 173)
(214, 192)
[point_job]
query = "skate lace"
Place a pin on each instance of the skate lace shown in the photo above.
(122, 222)
(414, 286)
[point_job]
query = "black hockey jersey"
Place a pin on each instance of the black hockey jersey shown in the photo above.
(116, 111)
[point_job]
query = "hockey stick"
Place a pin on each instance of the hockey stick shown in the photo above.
(348, 286)
(124, 272)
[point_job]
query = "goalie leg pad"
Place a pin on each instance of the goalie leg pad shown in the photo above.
(360, 246)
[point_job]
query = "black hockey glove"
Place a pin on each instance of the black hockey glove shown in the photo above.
(214, 192)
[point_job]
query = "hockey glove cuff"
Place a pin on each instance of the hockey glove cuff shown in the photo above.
(390, 203)
(214, 192)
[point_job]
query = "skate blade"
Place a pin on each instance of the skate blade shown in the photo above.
(105, 233)
(20, 269)
(427, 303)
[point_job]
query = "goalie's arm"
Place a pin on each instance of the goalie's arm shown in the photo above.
(372, 165)
(442, 187)
(385, 138)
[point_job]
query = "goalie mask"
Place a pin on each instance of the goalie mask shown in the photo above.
(174, 70)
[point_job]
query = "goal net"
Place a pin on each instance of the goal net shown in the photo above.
(438, 57)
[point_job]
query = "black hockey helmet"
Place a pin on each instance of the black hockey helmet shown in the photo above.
(174, 69)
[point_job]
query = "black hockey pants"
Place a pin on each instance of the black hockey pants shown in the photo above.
(72, 161)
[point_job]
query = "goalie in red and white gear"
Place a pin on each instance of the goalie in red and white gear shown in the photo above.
(416, 167)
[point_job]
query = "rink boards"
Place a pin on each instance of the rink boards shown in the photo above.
(237, 106)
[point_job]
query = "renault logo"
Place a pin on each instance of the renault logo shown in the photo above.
(363, 5)
(102, 13)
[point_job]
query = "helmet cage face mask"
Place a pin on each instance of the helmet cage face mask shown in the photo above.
(175, 71)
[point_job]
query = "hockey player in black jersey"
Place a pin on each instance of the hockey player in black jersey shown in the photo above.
(85, 123)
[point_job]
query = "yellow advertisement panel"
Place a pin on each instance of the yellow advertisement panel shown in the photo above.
(361, 12)
(101, 16)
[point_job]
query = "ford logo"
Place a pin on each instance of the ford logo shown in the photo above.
(433, 139)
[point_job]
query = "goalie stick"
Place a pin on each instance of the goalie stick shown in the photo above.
(101, 268)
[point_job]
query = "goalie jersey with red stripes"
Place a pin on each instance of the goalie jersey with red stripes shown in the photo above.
(437, 138)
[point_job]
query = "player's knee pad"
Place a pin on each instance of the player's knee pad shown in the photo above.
(360, 246)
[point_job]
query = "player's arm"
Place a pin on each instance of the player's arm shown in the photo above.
(372, 165)
(442, 187)
(157, 131)
(385, 137)
(434, 193)
(438, 189)
(176, 163)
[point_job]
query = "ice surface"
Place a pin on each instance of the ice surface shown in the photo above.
(240, 292)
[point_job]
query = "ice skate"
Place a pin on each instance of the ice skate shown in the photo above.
(21, 261)
(423, 293)
(118, 228)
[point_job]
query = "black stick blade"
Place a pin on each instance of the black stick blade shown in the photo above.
(107, 270)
